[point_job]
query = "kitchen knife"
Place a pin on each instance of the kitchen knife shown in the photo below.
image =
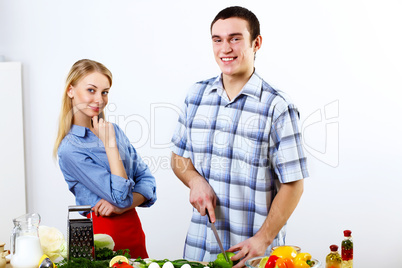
(217, 236)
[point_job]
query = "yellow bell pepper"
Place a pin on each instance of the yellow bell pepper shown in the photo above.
(301, 260)
(285, 252)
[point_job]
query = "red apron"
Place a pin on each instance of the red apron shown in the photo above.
(126, 231)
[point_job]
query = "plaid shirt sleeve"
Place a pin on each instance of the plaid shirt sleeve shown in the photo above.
(286, 154)
(179, 140)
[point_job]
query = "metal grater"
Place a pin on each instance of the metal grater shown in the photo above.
(80, 234)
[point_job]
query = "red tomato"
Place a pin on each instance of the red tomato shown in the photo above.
(122, 265)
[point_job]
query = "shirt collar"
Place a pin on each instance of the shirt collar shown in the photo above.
(216, 85)
(78, 130)
(252, 88)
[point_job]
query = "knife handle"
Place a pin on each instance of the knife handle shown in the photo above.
(209, 218)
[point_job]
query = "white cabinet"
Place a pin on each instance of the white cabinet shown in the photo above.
(12, 163)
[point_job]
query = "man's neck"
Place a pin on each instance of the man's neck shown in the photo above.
(234, 84)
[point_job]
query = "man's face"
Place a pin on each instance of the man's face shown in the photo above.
(233, 48)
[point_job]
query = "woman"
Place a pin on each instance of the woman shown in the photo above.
(101, 167)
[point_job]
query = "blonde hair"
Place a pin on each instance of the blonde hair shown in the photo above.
(79, 70)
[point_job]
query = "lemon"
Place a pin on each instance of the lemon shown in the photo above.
(119, 258)
(285, 252)
(263, 261)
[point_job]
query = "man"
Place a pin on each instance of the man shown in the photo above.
(238, 148)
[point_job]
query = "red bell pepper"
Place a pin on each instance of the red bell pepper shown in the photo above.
(271, 263)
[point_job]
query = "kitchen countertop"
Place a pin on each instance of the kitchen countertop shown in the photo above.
(9, 265)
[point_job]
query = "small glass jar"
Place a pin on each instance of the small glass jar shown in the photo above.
(333, 259)
(347, 250)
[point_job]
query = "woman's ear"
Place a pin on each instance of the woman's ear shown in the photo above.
(70, 91)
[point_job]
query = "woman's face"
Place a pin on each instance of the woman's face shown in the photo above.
(89, 97)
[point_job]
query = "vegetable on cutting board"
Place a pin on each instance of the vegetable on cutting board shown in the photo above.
(165, 263)
(121, 265)
(221, 262)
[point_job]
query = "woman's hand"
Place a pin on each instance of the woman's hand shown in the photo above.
(104, 208)
(105, 131)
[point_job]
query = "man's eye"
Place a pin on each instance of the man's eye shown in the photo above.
(217, 40)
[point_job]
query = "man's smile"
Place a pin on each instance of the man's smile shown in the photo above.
(227, 59)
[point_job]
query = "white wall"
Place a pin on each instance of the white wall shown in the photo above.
(337, 59)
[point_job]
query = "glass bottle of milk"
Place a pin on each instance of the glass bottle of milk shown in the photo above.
(25, 245)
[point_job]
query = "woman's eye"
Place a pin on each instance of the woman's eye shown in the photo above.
(105, 92)
(91, 90)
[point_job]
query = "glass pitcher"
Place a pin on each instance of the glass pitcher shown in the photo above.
(25, 245)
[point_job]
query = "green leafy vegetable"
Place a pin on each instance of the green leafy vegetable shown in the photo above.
(102, 256)
(52, 242)
(176, 263)
(82, 263)
(108, 254)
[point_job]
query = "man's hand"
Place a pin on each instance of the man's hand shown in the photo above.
(202, 197)
(281, 208)
(253, 247)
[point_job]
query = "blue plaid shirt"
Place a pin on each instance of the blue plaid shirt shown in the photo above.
(244, 148)
(85, 166)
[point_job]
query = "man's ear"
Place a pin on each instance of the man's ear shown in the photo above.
(70, 92)
(257, 43)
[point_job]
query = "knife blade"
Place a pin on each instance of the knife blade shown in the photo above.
(217, 236)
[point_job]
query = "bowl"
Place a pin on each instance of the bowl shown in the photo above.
(254, 262)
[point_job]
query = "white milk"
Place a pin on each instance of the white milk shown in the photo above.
(27, 252)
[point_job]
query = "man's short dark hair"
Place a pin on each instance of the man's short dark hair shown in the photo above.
(242, 13)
